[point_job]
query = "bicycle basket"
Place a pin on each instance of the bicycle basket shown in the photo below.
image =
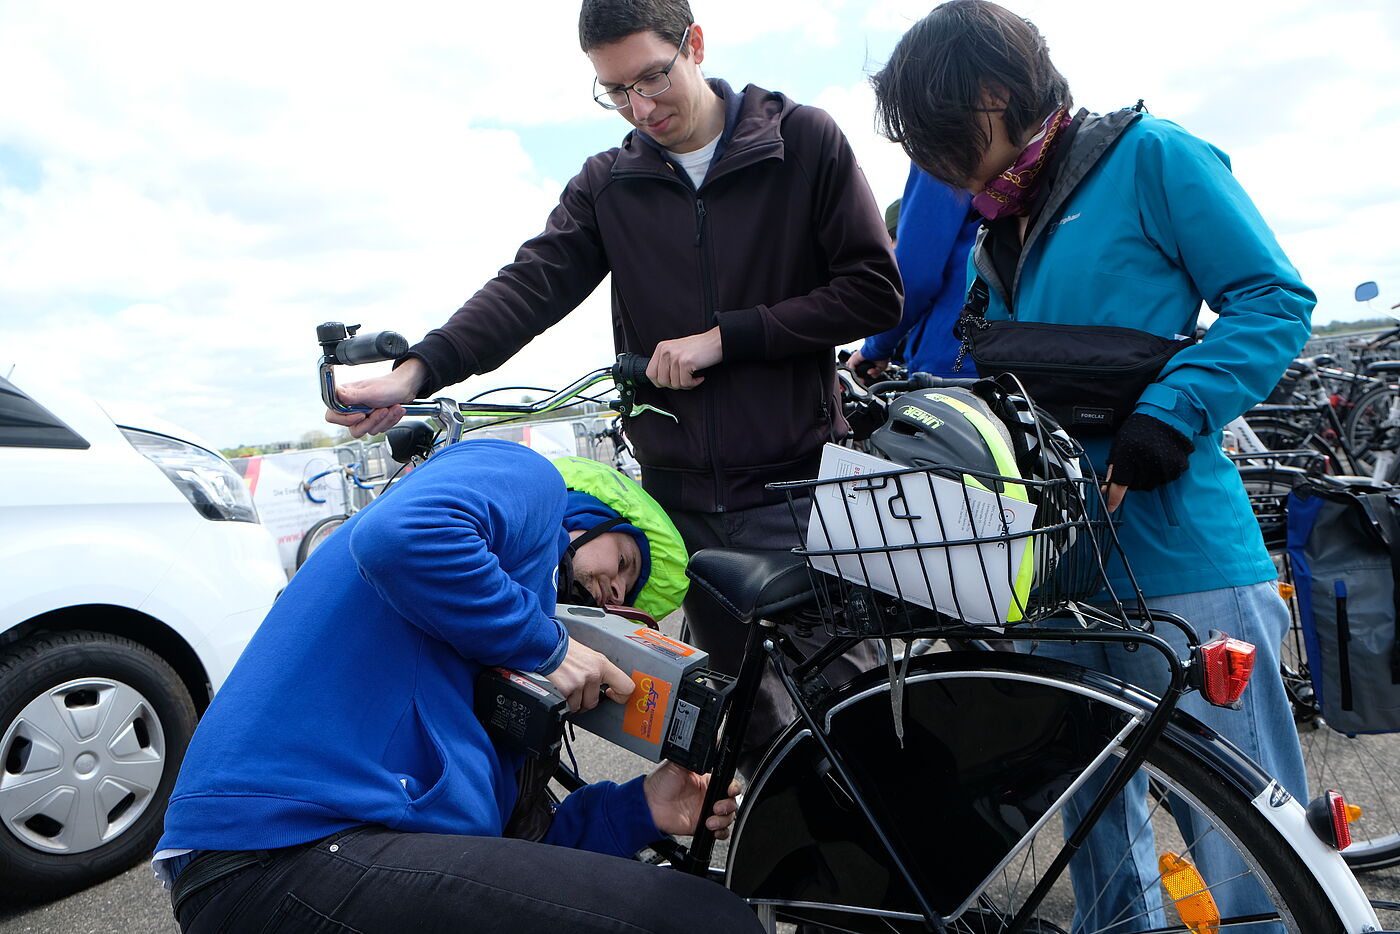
(894, 550)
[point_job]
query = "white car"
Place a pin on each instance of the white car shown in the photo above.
(133, 571)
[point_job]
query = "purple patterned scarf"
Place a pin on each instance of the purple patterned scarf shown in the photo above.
(1013, 191)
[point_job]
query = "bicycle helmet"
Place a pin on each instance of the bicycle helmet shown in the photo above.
(665, 583)
(953, 427)
(994, 431)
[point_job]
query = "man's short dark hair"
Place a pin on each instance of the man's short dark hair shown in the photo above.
(929, 96)
(601, 22)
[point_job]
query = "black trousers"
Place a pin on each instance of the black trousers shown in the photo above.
(372, 880)
(721, 635)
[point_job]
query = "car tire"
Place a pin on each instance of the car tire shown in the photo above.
(93, 728)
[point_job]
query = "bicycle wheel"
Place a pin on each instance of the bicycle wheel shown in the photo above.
(1281, 435)
(317, 535)
(973, 801)
(1364, 421)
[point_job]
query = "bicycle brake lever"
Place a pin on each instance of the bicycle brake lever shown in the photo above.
(639, 409)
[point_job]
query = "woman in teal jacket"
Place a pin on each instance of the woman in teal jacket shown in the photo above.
(1129, 221)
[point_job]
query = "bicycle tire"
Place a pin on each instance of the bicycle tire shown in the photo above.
(1363, 419)
(317, 535)
(991, 742)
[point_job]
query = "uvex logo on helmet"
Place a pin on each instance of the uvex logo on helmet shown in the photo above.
(918, 414)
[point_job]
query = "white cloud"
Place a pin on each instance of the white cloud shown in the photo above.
(186, 190)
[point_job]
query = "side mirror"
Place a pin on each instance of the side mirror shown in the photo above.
(1367, 291)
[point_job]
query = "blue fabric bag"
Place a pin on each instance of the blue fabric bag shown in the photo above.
(1344, 547)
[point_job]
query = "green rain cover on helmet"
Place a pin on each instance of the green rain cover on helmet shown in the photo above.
(665, 587)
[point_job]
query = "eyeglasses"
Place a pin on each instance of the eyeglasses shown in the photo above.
(652, 85)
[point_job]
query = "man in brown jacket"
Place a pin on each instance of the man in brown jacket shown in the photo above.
(744, 244)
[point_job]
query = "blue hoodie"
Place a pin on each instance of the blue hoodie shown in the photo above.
(935, 236)
(1142, 224)
(353, 702)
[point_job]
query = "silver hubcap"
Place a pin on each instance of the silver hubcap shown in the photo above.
(81, 764)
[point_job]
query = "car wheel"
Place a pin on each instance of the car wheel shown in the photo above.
(92, 731)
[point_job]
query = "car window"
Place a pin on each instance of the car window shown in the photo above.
(25, 423)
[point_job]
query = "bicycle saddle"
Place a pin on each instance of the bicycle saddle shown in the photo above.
(750, 583)
(1383, 368)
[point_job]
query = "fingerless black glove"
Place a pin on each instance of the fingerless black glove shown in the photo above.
(1147, 453)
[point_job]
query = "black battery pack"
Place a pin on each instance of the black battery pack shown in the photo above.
(520, 711)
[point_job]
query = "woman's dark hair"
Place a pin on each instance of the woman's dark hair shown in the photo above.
(929, 97)
(603, 21)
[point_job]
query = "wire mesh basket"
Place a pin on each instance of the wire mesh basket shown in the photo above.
(899, 551)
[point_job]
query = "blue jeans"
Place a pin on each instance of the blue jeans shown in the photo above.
(1115, 874)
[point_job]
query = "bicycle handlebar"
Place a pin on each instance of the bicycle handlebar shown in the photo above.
(920, 380)
(372, 348)
(340, 345)
(632, 368)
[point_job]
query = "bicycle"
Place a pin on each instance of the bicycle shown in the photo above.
(836, 827)
(620, 456)
(1305, 413)
(357, 491)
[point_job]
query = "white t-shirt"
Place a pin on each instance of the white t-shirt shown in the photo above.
(696, 163)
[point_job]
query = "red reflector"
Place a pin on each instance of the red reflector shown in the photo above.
(1338, 809)
(1327, 816)
(1226, 665)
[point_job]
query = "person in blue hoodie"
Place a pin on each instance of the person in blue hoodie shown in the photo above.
(340, 780)
(932, 240)
(1126, 220)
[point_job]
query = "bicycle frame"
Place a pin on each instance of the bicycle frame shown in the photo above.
(767, 647)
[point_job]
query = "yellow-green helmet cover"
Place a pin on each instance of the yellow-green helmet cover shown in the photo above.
(665, 587)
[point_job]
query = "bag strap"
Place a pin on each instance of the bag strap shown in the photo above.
(973, 317)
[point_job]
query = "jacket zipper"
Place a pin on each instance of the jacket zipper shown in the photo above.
(707, 311)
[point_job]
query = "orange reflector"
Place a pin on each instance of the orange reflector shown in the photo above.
(1353, 813)
(1226, 665)
(1286, 590)
(1187, 889)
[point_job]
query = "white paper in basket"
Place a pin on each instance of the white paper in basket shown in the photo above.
(846, 516)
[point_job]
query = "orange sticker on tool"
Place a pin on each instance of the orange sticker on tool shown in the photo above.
(651, 635)
(643, 717)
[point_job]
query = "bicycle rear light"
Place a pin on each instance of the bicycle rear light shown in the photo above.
(1185, 887)
(1225, 665)
(1329, 816)
(208, 481)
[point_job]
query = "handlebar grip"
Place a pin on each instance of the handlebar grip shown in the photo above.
(929, 381)
(371, 348)
(632, 368)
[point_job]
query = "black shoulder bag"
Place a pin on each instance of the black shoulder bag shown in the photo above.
(1088, 377)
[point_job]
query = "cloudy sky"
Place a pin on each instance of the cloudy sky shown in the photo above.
(188, 189)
